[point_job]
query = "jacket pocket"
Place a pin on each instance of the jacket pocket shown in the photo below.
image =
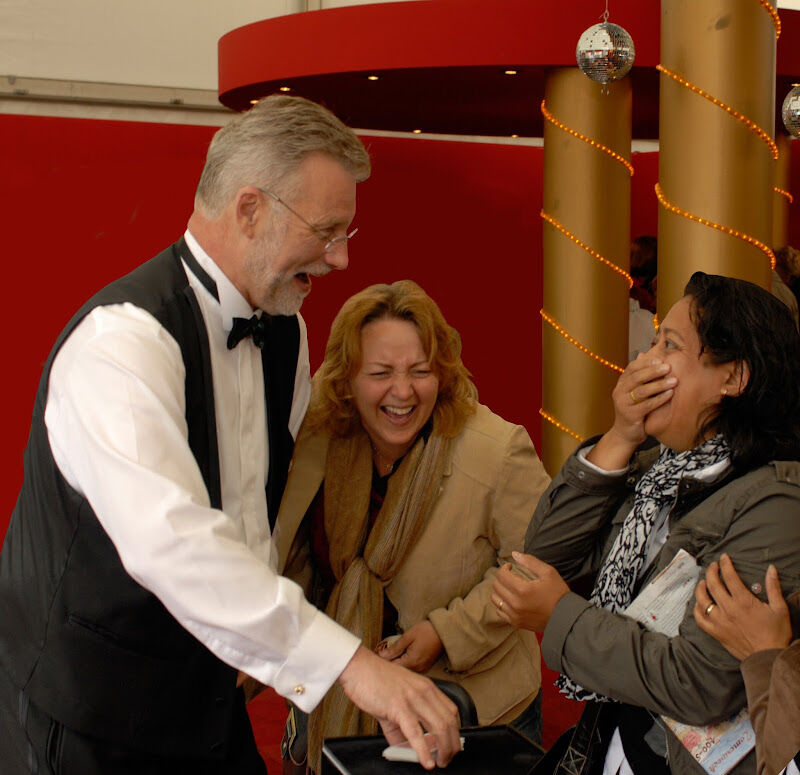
(106, 636)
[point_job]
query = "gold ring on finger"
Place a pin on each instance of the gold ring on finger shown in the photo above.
(633, 398)
(500, 604)
(709, 608)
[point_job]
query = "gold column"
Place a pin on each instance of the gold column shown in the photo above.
(782, 198)
(586, 238)
(717, 155)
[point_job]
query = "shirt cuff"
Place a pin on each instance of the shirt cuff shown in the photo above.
(564, 616)
(584, 451)
(317, 660)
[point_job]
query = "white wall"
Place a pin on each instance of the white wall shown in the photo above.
(150, 42)
(147, 42)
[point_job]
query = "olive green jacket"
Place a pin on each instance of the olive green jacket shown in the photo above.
(755, 518)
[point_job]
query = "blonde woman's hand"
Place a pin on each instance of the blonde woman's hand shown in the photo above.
(417, 649)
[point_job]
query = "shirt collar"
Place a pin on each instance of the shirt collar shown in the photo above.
(231, 303)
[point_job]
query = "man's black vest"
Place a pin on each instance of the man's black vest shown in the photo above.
(89, 645)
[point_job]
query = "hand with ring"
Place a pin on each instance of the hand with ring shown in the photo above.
(526, 592)
(727, 610)
(643, 387)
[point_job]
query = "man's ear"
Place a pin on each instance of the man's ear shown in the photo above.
(737, 379)
(248, 205)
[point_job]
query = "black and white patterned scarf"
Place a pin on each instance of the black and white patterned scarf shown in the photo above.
(658, 488)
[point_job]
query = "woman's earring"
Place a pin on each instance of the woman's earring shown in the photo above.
(724, 391)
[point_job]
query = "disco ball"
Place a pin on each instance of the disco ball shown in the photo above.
(605, 52)
(791, 111)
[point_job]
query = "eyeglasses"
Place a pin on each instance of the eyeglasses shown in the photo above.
(331, 243)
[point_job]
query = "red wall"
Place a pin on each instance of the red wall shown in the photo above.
(84, 201)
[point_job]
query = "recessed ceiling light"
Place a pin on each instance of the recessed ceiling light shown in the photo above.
(253, 102)
(515, 135)
(372, 77)
(511, 72)
(285, 88)
(417, 131)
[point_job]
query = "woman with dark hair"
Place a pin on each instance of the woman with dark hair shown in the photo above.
(720, 391)
(404, 496)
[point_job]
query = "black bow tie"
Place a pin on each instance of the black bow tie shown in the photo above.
(242, 328)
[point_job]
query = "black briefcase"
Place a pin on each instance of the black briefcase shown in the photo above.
(487, 750)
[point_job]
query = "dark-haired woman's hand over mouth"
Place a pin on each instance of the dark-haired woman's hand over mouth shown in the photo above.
(643, 387)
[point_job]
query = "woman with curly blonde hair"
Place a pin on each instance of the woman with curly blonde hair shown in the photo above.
(404, 496)
(332, 406)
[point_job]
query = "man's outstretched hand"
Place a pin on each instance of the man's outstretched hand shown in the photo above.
(406, 705)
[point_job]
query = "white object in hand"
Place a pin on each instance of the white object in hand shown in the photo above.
(403, 752)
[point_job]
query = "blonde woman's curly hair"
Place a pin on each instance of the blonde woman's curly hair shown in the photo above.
(333, 408)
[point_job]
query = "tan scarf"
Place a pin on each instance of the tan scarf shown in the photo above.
(365, 564)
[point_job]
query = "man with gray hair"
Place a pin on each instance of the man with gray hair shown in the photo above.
(137, 581)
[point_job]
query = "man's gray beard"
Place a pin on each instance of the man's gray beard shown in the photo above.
(278, 299)
(283, 300)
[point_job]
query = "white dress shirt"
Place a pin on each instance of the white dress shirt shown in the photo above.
(116, 424)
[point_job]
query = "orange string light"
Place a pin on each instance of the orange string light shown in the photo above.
(560, 425)
(772, 11)
(599, 146)
(783, 193)
(751, 125)
(667, 205)
(591, 251)
(573, 341)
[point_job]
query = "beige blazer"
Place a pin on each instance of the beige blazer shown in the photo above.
(485, 503)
